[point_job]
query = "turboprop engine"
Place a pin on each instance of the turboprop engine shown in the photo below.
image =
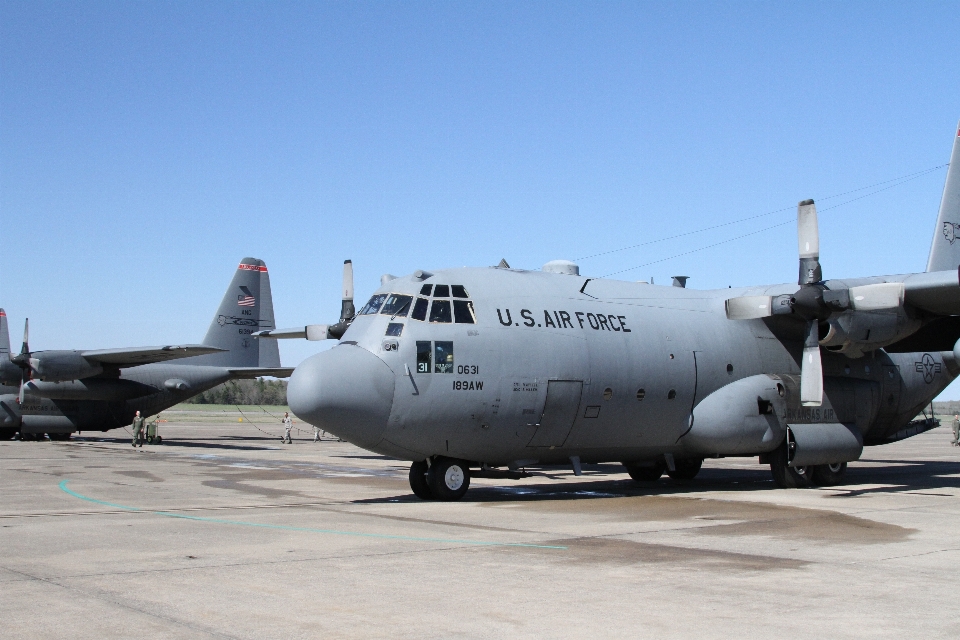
(61, 366)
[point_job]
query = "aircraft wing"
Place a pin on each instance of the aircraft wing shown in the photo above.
(132, 357)
(935, 291)
(259, 372)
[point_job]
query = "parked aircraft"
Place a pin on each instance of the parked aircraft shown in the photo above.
(465, 370)
(60, 392)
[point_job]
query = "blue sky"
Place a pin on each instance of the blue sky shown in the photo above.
(145, 147)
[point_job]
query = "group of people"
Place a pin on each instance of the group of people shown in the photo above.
(287, 423)
(139, 429)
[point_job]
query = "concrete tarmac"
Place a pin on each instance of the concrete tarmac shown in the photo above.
(223, 532)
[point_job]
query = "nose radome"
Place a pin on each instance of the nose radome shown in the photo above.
(347, 391)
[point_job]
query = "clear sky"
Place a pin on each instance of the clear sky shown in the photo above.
(145, 147)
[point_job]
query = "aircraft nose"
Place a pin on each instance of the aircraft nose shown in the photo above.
(347, 391)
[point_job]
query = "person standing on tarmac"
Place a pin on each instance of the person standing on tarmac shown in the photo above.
(956, 430)
(287, 427)
(316, 433)
(137, 428)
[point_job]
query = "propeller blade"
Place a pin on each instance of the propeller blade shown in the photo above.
(872, 297)
(811, 369)
(347, 310)
(25, 348)
(749, 307)
(808, 243)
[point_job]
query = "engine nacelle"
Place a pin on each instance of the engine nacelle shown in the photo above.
(856, 333)
(744, 417)
(823, 443)
(60, 366)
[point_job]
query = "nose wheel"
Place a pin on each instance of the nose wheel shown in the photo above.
(445, 479)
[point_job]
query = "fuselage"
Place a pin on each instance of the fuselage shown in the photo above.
(101, 404)
(533, 366)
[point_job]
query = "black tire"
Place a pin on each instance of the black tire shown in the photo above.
(788, 477)
(159, 439)
(59, 436)
(645, 473)
(418, 480)
(685, 468)
(828, 475)
(449, 479)
(6, 433)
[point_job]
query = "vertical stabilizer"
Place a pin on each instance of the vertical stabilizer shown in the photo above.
(945, 250)
(247, 307)
(9, 372)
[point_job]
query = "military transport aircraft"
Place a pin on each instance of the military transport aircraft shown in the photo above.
(59, 392)
(465, 370)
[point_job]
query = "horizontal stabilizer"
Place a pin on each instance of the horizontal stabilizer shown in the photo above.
(309, 332)
(260, 372)
(132, 357)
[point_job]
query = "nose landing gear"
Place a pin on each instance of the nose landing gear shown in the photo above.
(445, 479)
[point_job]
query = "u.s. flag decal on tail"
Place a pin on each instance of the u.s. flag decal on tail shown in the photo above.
(246, 301)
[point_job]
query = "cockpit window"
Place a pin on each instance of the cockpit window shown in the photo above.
(374, 305)
(459, 291)
(443, 357)
(419, 309)
(463, 312)
(396, 305)
(442, 291)
(426, 289)
(440, 311)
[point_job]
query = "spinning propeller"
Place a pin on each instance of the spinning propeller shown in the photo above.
(814, 303)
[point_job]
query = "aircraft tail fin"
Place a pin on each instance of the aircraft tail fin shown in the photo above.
(9, 372)
(247, 307)
(945, 250)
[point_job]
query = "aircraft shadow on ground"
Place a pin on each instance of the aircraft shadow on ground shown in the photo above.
(611, 482)
(204, 444)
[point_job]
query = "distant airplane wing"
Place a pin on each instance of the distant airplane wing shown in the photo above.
(259, 372)
(131, 357)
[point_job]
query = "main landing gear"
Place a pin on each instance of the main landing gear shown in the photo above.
(683, 469)
(443, 478)
(787, 477)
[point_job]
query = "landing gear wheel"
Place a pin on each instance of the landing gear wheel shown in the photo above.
(788, 477)
(828, 475)
(685, 468)
(647, 473)
(418, 480)
(7, 433)
(449, 479)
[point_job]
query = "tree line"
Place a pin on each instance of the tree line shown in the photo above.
(259, 391)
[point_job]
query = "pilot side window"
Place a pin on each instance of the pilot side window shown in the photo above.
(440, 311)
(396, 305)
(374, 305)
(463, 312)
(419, 309)
(423, 357)
(443, 357)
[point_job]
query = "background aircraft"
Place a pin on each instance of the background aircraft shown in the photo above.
(59, 392)
(472, 369)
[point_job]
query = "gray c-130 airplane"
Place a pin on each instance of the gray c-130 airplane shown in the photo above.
(63, 391)
(465, 370)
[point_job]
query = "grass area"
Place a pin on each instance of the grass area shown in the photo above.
(224, 413)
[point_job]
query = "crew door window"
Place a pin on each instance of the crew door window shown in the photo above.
(423, 357)
(443, 357)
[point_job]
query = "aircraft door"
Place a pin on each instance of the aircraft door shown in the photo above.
(559, 413)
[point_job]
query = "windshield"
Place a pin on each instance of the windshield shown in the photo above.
(396, 305)
(374, 305)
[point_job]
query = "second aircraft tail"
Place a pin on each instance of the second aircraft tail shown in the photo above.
(945, 250)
